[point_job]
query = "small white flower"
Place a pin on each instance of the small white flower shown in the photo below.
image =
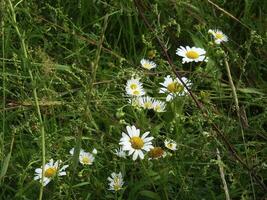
(85, 158)
(115, 181)
(193, 54)
(146, 102)
(134, 144)
(148, 64)
(159, 106)
(170, 144)
(174, 87)
(120, 153)
(51, 169)
(134, 88)
(218, 36)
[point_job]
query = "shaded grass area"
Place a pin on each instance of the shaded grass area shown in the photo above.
(77, 64)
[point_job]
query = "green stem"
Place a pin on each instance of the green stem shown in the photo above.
(3, 84)
(145, 169)
(98, 51)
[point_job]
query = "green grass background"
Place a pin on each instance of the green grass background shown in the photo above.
(64, 68)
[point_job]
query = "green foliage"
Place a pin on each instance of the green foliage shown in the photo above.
(64, 69)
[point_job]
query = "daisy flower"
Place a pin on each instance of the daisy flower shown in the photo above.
(134, 102)
(120, 153)
(218, 36)
(156, 153)
(51, 169)
(115, 181)
(146, 102)
(170, 144)
(193, 54)
(159, 106)
(134, 88)
(148, 64)
(134, 144)
(85, 158)
(174, 87)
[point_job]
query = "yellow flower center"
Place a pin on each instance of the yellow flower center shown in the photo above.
(86, 160)
(136, 92)
(170, 145)
(147, 65)
(192, 55)
(218, 35)
(133, 86)
(137, 142)
(175, 87)
(116, 186)
(51, 171)
(148, 104)
(156, 152)
(157, 107)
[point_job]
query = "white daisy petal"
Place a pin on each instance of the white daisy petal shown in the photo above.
(145, 134)
(62, 173)
(141, 154)
(135, 155)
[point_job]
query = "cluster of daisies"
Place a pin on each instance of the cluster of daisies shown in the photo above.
(137, 145)
(51, 169)
(172, 87)
(133, 143)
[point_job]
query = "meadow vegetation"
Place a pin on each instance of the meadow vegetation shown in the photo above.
(81, 78)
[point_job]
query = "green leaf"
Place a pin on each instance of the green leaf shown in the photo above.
(5, 165)
(81, 184)
(250, 91)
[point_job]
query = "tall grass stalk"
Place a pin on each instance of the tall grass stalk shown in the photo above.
(26, 64)
(239, 118)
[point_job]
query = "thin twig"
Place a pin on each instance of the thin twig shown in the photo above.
(227, 13)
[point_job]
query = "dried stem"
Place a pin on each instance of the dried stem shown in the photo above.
(225, 187)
